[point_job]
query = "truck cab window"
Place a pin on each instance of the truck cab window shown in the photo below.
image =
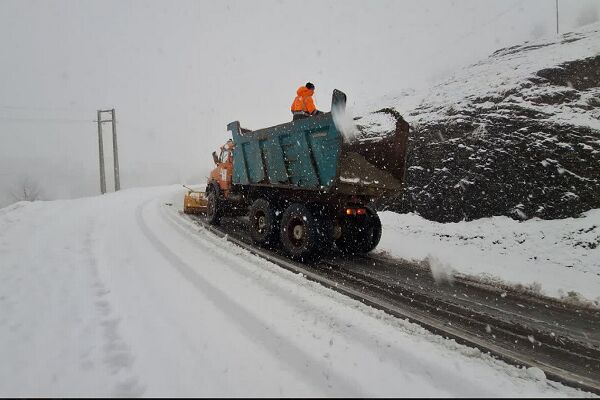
(224, 156)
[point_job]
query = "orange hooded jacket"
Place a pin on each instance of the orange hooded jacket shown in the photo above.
(304, 100)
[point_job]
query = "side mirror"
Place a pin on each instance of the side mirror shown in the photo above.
(215, 158)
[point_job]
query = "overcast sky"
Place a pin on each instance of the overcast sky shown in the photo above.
(178, 71)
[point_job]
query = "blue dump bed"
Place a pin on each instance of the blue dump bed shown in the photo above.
(312, 154)
(303, 154)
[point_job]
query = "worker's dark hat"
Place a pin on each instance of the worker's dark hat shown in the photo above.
(310, 86)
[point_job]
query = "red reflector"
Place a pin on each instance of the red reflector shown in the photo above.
(349, 211)
(361, 211)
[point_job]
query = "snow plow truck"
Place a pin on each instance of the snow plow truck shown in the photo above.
(304, 186)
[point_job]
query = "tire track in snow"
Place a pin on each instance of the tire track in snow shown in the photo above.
(117, 355)
(385, 350)
(300, 361)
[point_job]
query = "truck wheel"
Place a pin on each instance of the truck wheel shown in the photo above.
(326, 230)
(372, 233)
(213, 209)
(264, 224)
(300, 233)
(349, 241)
(360, 236)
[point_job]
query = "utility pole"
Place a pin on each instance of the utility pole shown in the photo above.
(101, 154)
(557, 17)
(116, 152)
(113, 122)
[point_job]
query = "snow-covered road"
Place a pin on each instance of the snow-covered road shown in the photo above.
(121, 296)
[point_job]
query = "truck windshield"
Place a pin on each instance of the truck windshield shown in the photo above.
(224, 156)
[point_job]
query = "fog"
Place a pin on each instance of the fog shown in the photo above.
(178, 72)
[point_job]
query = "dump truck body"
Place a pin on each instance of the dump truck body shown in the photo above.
(304, 186)
(312, 154)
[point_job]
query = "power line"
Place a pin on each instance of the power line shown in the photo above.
(29, 108)
(46, 120)
(28, 114)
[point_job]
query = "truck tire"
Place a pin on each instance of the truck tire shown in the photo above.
(360, 236)
(373, 233)
(348, 241)
(214, 208)
(300, 232)
(264, 223)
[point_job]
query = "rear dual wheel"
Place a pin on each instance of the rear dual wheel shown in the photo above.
(264, 223)
(302, 232)
(359, 235)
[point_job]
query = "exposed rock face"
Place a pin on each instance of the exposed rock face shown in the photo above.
(517, 134)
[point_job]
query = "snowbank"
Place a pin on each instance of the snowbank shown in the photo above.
(558, 258)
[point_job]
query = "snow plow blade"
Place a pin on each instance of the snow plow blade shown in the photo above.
(194, 202)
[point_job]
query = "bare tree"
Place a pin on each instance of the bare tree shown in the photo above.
(27, 190)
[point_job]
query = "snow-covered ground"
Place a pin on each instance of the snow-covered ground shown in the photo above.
(120, 295)
(557, 258)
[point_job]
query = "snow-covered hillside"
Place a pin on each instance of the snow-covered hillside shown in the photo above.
(120, 295)
(517, 134)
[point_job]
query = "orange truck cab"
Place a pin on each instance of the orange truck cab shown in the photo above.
(223, 172)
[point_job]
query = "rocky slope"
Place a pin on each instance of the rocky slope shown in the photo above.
(517, 134)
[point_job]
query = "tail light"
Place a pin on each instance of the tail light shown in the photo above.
(355, 211)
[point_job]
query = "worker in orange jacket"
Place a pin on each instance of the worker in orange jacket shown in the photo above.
(303, 105)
